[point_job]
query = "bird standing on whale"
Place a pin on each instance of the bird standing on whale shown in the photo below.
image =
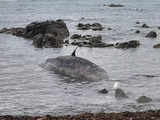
(76, 67)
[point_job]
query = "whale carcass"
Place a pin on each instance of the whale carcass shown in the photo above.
(76, 67)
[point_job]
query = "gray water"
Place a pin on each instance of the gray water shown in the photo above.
(27, 88)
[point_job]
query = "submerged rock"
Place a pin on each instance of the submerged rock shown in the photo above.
(156, 46)
(129, 44)
(119, 93)
(43, 34)
(151, 34)
(143, 99)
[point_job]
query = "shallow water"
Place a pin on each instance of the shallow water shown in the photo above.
(27, 88)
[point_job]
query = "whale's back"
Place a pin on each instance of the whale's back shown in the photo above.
(76, 67)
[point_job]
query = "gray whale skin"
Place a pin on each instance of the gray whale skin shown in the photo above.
(76, 67)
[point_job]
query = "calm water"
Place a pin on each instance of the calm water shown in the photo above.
(26, 88)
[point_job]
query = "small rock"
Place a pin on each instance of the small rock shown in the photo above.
(151, 34)
(97, 26)
(156, 46)
(129, 44)
(137, 31)
(137, 22)
(119, 93)
(109, 28)
(145, 26)
(143, 99)
(115, 5)
(103, 91)
(76, 36)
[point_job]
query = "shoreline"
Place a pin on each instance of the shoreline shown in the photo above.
(145, 115)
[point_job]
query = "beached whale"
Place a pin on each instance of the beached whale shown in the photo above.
(76, 67)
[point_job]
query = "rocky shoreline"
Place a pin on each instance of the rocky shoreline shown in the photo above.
(145, 115)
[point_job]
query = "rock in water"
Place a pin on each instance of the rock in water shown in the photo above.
(76, 67)
(143, 99)
(129, 44)
(43, 34)
(156, 46)
(119, 93)
(151, 34)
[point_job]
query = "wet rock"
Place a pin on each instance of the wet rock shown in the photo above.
(91, 41)
(103, 91)
(145, 26)
(94, 26)
(129, 44)
(137, 31)
(151, 34)
(143, 99)
(156, 46)
(97, 26)
(43, 34)
(119, 93)
(115, 5)
(76, 36)
(82, 26)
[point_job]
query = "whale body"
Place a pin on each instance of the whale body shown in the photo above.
(76, 67)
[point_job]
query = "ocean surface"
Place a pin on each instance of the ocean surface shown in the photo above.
(28, 89)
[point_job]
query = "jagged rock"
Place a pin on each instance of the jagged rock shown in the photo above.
(143, 99)
(119, 93)
(156, 46)
(151, 34)
(129, 44)
(43, 34)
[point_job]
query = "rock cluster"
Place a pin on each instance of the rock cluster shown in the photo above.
(43, 34)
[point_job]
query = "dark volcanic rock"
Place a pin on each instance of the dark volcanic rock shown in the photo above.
(145, 26)
(137, 31)
(43, 34)
(156, 46)
(143, 99)
(115, 5)
(129, 44)
(103, 91)
(151, 34)
(90, 41)
(76, 36)
(94, 26)
(97, 26)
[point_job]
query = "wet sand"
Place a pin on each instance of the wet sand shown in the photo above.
(146, 115)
